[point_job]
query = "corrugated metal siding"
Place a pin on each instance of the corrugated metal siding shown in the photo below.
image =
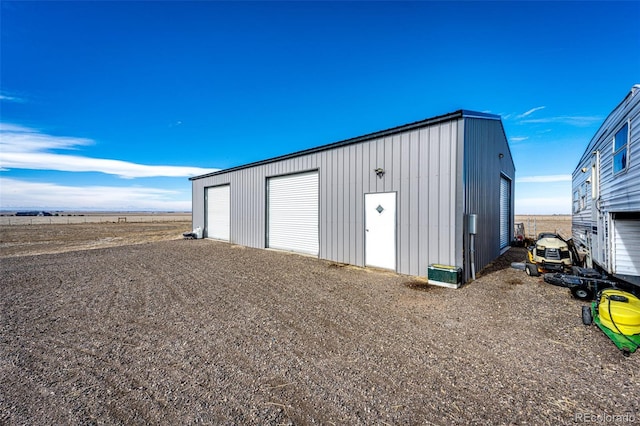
(484, 142)
(617, 193)
(421, 165)
(437, 182)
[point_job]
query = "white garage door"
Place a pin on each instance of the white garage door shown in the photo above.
(505, 208)
(218, 202)
(626, 253)
(293, 213)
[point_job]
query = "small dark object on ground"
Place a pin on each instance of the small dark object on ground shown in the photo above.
(518, 265)
(419, 285)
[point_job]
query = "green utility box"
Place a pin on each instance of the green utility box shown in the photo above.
(445, 275)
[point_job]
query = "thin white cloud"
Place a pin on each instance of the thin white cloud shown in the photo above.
(544, 179)
(519, 138)
(577, 120)
(531, 111)
(8, 127)
(72, 163)
(25, 148)
(15, 138)
(17, 194)
(8, 98)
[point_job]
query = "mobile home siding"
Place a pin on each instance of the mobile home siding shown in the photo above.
(615, 192)
(423, 164)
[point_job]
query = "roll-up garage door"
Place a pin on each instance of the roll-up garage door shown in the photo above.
(505, 208)
(293, 213)
(218, 203)
(626, 252)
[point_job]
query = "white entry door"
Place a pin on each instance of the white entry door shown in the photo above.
(380, 230)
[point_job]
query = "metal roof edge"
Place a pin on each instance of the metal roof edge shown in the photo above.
(381, 133)
(475, 114)
(483, 115)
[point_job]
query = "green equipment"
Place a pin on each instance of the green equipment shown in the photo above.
(617, 314)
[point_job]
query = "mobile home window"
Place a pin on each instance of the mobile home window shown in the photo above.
(620, 145)
(576, 201)
(583, 196)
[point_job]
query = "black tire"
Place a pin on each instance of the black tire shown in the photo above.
(626, 352)
(582, 293)
(532, 270)
(587, 318)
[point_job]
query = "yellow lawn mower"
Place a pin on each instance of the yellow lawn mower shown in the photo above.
(550, 253)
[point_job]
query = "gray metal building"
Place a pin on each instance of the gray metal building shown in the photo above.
(606, 193)
(397, 199)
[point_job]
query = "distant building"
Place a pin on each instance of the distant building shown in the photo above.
(397, 199)
(33, 213)
(606, 193)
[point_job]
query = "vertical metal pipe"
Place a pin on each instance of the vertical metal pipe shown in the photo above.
(473, 255)
(472, 227)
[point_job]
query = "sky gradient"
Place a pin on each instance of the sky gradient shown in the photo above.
(113, 105)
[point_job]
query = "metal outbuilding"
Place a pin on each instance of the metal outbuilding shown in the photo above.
(606, 193)
(398, 199)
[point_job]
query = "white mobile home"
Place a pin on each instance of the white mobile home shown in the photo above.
(606, 193)
(397, 199)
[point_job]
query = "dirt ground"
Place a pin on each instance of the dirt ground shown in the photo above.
(20, 240)
(196, 331)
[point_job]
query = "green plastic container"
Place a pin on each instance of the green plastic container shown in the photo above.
(627, 344)
(444, 275)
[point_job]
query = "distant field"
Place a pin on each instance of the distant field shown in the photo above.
(26, 235)
(24, 240)
(533, 224)
(102, 217)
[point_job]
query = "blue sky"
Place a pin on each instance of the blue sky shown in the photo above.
(113, 105)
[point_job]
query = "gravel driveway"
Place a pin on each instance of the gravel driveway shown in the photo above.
(189, 331)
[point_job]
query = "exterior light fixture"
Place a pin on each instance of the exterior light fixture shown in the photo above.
(379, 172)
(501, 155)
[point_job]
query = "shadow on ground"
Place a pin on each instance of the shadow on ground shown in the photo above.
(514, 254)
